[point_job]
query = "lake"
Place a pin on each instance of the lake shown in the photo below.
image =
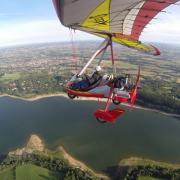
(60, 121)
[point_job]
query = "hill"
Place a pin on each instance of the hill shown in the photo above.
(34, 161)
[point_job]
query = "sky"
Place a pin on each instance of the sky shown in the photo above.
(35, 21)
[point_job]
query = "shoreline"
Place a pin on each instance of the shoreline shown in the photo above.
(39, 97)
(37, 143)
(79, 164)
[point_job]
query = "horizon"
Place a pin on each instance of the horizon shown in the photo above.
(79, 41)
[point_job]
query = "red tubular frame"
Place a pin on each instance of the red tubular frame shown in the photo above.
(109, 100)
(111, 90)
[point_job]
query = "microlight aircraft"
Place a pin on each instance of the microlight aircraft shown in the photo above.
(120, 21)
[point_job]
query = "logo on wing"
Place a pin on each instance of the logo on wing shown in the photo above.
(99, 19)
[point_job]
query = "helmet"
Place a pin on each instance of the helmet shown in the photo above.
(98, 68)
(127, 75)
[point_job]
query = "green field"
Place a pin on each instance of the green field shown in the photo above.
(33, 172)
(10, 77)
(28, 172)
(147, 178)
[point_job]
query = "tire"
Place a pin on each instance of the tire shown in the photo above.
(71, 96)
(101, 121)
(116, 102)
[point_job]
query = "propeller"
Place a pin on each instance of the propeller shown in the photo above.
(134, 94)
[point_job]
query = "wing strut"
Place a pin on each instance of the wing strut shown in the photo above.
(101, 48)
(112, 57)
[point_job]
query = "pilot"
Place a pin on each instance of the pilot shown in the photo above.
(96, 76)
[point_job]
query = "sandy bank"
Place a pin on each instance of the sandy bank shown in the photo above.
(78, 164)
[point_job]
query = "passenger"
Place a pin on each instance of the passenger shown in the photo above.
(121, 82)
(79, 85)
(87, 81)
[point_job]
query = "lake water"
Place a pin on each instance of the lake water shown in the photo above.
(71, 123)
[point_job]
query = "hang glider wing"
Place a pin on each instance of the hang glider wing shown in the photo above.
(123, 20)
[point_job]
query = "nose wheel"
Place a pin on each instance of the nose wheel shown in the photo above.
(71, 96)
(101, 120)
(116, 102)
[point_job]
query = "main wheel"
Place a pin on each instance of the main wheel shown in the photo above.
(71, 96)
(116, 102)
(101, 121)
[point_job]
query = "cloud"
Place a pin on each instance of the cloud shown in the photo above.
(166, 32)
(12, 33)
(165, 27)
(37, 31)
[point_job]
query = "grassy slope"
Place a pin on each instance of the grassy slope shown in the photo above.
(147, 178)
(134, 161)
(31, 172)
(6, 174)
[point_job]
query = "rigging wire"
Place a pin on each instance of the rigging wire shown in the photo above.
(74, 51)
